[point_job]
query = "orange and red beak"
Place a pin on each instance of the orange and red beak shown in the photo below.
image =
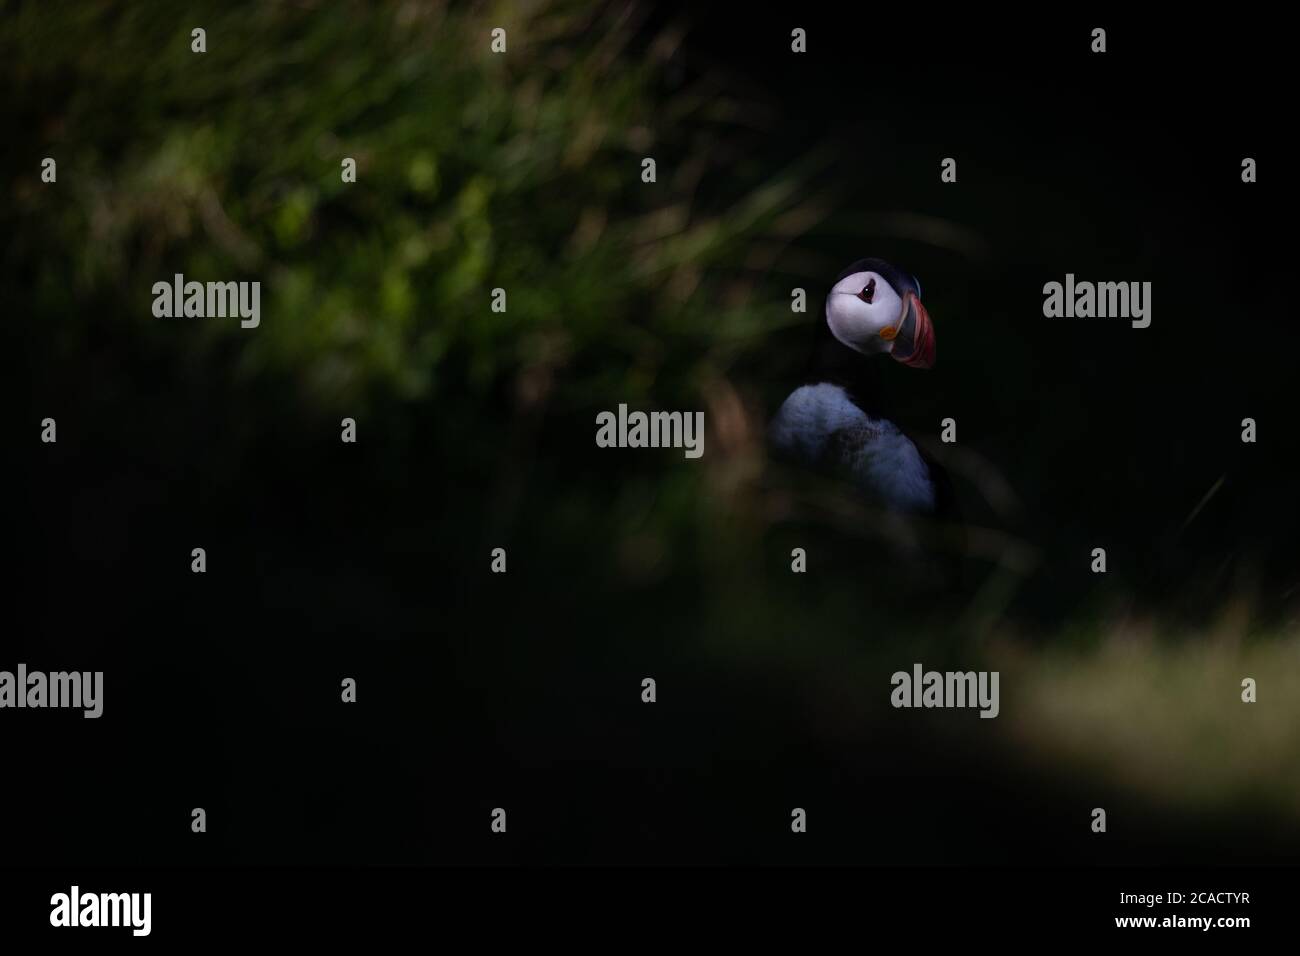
(914, 343)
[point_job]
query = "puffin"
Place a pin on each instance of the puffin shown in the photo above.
(836, 421)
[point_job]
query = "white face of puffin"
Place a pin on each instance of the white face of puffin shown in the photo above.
(866, 313)
(863, 311)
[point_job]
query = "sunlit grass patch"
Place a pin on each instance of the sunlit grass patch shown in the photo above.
(1163, 715)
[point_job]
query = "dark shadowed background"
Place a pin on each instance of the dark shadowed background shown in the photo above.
(476, 431)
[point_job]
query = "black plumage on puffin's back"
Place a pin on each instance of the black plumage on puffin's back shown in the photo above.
(945, 493)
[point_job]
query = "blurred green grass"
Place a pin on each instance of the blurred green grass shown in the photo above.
(476, 171)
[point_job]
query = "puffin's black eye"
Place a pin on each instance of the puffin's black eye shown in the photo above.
(869, 292)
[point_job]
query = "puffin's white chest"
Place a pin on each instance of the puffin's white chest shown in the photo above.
(819, 424)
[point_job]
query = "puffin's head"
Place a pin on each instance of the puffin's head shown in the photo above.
(875, 307)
